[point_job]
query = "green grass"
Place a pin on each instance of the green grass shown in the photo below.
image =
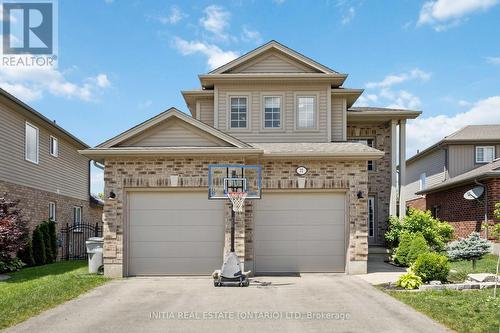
(471, 311)
(36, 289)
(463, 267)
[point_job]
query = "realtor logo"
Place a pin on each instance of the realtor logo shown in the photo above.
(28, 32)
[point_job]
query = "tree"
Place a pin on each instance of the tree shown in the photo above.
(470, 248)
(53, 238)
(49, 257)
(38, 247)
(13, 229)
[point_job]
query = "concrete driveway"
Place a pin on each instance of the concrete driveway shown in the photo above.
(310, 303)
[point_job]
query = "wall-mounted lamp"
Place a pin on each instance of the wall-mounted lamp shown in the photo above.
(360, 195)
(112, 195)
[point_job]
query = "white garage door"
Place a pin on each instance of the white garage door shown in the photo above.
(174, 233)
(300, 232)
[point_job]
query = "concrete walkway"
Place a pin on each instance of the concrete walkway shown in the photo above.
(381, 272)
(310, 303)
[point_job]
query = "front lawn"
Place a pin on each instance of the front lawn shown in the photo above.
(487, 264)
(462, 311)
(36, 289)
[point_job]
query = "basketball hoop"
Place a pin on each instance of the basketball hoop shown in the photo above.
(238, 200)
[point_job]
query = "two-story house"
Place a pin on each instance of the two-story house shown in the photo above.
(281, 110)
(40, 166)
(438, 177)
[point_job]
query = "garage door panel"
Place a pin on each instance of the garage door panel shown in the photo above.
(291, 201)
(172, 266)
(170, 200)
(280, 248)
(285, 217)
(157, 233)
(176, 250)
(294, 233)
(165, 217)
(289, 264)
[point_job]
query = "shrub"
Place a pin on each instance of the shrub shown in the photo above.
(49, 257)
(38, 247)
(403, 249)
(13, 229)
(26, 255)
(435, 232)
(470, 248)
(53, 239)
(10, 265)
(409, 280)
(418, 246)
(431, 266)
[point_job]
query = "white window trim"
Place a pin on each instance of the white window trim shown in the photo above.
(371, 201)
(53, 204)
(484, 155)
(242, 95)
(26, 143)
(316, 112)
(74, 215)
(263, 112)
(56, 153)
(422, 181)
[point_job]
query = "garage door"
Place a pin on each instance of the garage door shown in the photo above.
(174, 233)
(300, 232)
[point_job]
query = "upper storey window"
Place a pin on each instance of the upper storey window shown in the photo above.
(272, 112)
(31, 143)
(239, 111)
(306, 112)
(485, 154)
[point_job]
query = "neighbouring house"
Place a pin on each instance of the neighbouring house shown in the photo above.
(274, 107)
(40, 166)
(438, 177)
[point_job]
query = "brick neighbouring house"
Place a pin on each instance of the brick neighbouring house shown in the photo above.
(273, 107)
(446, 200)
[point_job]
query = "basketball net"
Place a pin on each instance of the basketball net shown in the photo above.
(238, 200)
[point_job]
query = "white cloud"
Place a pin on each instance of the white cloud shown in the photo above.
(173, 17)
(443, 14)
(493, 60)
(216, 20)
(348, 15)
(249, 35)
(393, 79)
(425, 131)
(216, 57)
(31, 83)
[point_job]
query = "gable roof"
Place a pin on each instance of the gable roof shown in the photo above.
(273, 45)
(467, 134)
(171, 113)
(51, 124)
(489, 170)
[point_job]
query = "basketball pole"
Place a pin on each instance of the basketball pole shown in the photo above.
(233, 223)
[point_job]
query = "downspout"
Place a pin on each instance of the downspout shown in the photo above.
(485, 207)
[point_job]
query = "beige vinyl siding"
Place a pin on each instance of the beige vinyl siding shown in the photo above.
(434, 167)
(206, 111)
(462, 157)
(173, 133)
(67, 174)
(338, 114)
(273, 62)
(288, 132)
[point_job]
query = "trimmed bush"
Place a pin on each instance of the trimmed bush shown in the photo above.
(431, 266)
(470, 248)
(53, 239)
(38, 247)
(49, 257)
(403, 249)
(409, 280)
(435, 232)
(418, 246)
(10, 265)
(26, 255)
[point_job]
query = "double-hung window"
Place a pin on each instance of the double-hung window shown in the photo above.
(485, 154)
(52, 211)
(306, 112)
(54, 146)
(272, 112)
(239, 112)
(77, 215)
(31, 143)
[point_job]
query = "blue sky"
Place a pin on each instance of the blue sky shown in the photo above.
(121, 62)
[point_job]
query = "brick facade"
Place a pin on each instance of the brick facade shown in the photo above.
(418, 203)
(466, 216)
(379, 180)
(121, 174)
(34, 204)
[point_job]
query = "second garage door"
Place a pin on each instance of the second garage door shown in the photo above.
(300, 232)
(174, 233)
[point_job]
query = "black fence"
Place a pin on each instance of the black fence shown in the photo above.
(72, 239)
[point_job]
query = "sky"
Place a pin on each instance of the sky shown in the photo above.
(122, 62)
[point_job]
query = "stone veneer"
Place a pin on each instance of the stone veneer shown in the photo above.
(379, 180)
(121, 174)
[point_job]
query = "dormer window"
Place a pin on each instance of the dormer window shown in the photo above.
(238, 114)
(485, 154)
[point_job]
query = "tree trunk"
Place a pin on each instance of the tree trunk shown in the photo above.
(474, 261)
